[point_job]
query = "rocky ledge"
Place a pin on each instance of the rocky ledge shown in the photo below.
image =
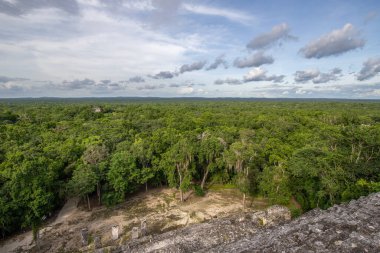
(349, 227)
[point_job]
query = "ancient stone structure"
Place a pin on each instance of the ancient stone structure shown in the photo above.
(84, 236)
(350, 227)
(135, 233)
(115, 232)
(143, 227)
(97, 242)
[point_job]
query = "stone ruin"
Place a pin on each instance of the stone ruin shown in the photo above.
(84, 236)
(349, 227)
(115, 232)
(143, 227)
(135, 233)
(97, 242)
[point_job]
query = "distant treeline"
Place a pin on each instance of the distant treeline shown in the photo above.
(312, 152)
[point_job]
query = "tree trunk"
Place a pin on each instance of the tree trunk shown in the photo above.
(204, 178)
(244, 195)
(88, 202)
(180, 183)
(243, 202)
(359, 153)
(37, 238)
(35, 230)
(146, 186)
(98, 193)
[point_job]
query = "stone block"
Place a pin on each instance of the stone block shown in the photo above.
(135, 233)
(84, 236)
(97, 242)
(115, 232)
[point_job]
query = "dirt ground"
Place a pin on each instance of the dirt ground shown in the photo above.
(161, 209)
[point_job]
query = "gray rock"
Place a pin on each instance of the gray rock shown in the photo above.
(84, 236)
(334, 230)
(97, 242)
(135, 233)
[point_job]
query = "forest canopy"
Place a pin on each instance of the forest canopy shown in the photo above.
(317, 153)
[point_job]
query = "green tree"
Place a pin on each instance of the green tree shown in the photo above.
(210, 150)
(95, 156)
(143, 152)
(240, 158)
(274, 183)
(83, 182)
(123, 175)
(177, 163)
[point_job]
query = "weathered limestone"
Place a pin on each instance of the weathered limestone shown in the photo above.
(84, 236)
(350, 227)
(135, 233)
(143, 227)
(115, 232)
(97, 242)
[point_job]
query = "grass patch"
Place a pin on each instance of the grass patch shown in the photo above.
(218, 187)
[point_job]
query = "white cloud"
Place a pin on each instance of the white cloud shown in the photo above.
(185, 90)
(233, 15)
(93, 3)
(371, 68)
(256, 74)
(254, 60)
(304, 76)
(141, 5)
(11, 1)
(230, 81)
(334, 43)
(104, 47)
(278, 33)
(192, 67)
(260, 74)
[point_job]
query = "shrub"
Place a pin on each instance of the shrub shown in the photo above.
(198, 191)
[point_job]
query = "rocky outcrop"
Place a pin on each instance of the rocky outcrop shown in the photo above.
(350, 227)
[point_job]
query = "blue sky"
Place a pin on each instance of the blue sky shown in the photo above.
(171, 48)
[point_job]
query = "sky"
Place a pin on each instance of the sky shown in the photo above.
(174, 48)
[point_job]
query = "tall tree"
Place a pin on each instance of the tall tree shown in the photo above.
(177, 161)
(83, 182)
(240, 158)
(143, 152)
(211, 148)
(94, 155)
(123, 175)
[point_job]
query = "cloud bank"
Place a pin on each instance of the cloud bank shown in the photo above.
(304, 76)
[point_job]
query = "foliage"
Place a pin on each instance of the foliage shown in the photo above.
(83, 181)
(317, 153)
(198, 191)
(361, 188)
